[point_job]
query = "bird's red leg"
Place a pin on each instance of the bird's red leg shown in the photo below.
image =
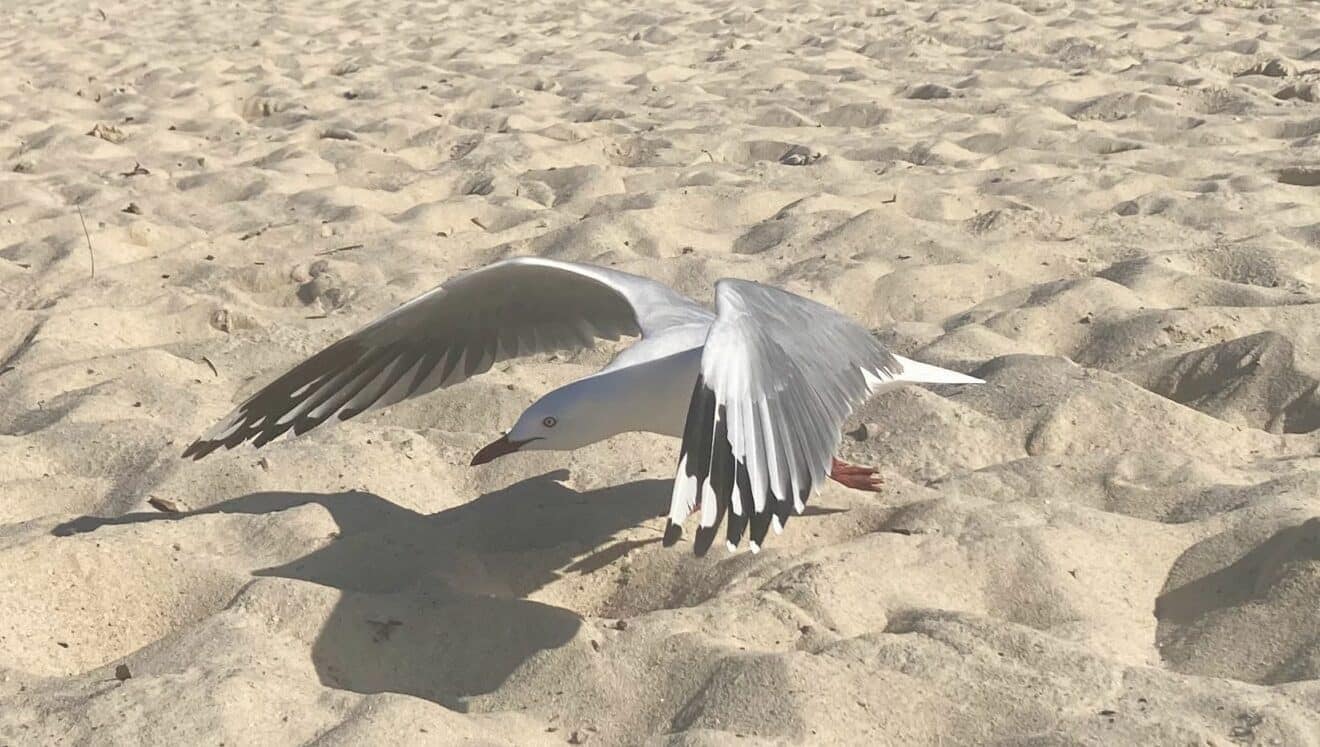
(855, 476)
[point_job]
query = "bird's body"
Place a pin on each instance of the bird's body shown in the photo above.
(757, 389)
(644, 389)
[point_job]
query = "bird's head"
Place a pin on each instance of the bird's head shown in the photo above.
(556, 422)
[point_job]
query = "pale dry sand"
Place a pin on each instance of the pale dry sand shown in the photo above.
(1110, 211)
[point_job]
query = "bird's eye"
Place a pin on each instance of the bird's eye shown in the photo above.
(549, 422)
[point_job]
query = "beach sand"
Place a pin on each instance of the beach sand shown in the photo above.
(1109, 211)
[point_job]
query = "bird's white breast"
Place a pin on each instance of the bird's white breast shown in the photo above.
(657, 374)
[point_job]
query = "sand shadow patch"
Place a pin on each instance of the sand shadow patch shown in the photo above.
(434, 643)
(1244, 615)
(1300, 176)
(1250, 381)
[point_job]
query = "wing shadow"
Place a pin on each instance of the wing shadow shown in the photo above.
(435, 605)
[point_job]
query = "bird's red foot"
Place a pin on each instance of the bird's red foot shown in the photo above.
(855, 476)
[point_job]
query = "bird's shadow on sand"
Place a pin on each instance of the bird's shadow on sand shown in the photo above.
(435, 605)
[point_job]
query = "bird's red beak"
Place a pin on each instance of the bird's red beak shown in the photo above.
(497, 449)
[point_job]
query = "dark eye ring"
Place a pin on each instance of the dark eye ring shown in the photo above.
(549, 422)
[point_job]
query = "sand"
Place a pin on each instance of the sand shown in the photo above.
(1110, 211)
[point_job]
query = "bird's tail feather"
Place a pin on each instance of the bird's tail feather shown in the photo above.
(924, 373)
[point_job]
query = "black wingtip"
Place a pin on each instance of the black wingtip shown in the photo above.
(705, 537)
(673, 533)
(735, 525)
(760, 526)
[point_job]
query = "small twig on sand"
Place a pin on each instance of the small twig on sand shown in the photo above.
(90, 253)
(164, 505)
(337, 250)
(891, 200)
(257, 232)
(479, 224)
(208, 362)
(138, 170)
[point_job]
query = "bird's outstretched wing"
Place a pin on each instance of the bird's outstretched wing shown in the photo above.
(512, 308)
(779, 375)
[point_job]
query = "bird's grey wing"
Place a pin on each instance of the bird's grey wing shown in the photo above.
(512, 308)
(779, 375)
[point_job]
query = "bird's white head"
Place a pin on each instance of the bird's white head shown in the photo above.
(562, 420)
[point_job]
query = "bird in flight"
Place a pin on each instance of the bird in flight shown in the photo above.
(758, 390)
